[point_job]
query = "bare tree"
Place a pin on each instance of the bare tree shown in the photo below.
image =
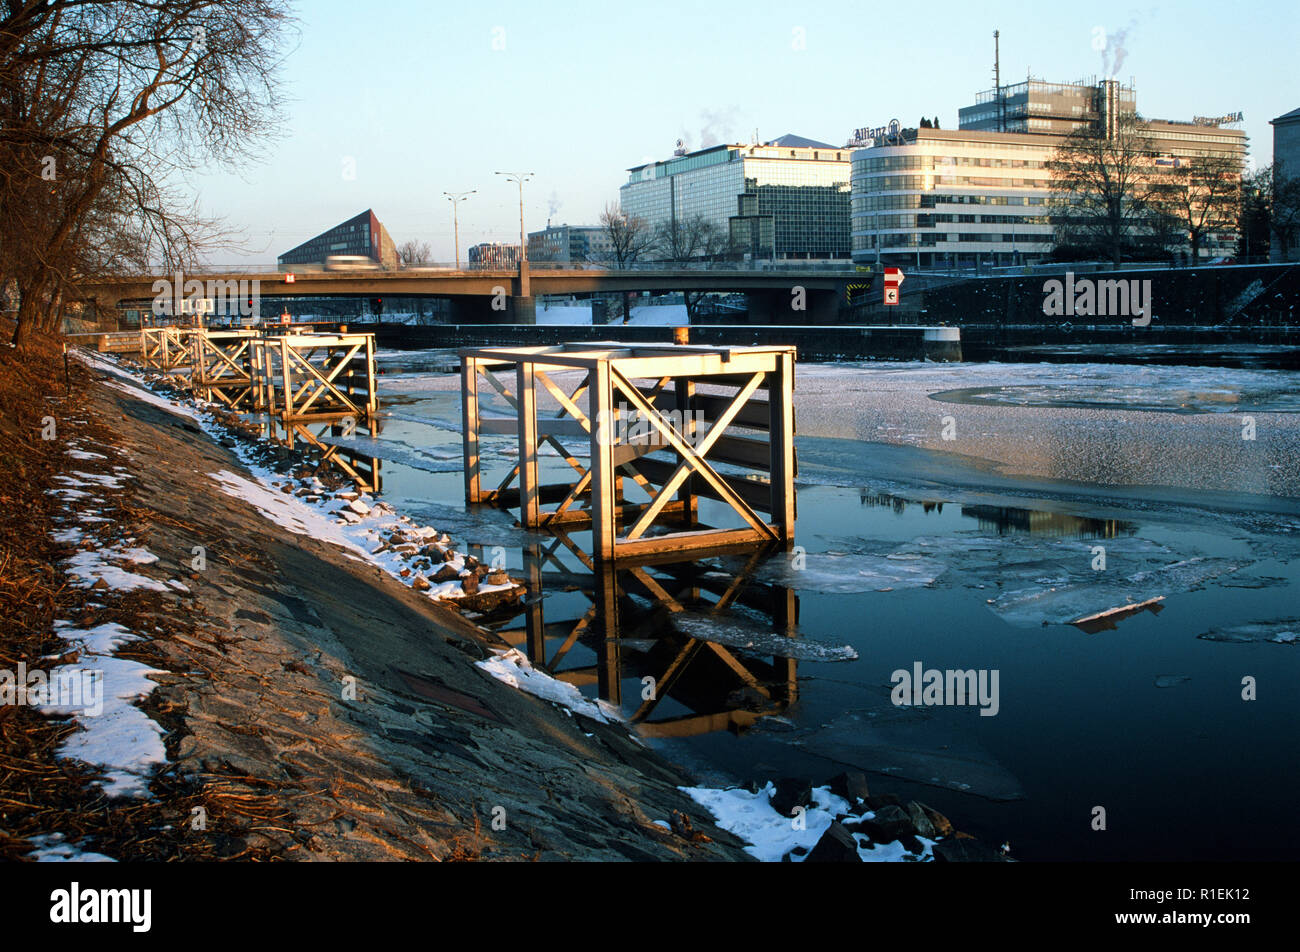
(629, 235)
(1201, 193)
(103, 107)
(1102, 186)
(685, 240)
(414, 253)
(629, 238)
(1283, 209)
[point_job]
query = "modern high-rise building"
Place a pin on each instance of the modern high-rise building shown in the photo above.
(494, 256)
(982, 193)
(1043, 108)
(788, 198)
(1286, 165)
(569, 244)
(362, 235)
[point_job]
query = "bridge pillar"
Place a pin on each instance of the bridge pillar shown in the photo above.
(761, 307)
(793, 305)
(475, 309)
(523, 309)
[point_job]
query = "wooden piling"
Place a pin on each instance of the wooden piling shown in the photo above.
(670, 459)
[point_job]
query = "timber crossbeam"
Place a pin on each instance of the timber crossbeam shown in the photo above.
(655, 442)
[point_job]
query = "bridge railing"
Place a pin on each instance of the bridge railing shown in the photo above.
(838, 265)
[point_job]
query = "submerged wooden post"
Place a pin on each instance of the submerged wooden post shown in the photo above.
(469, 427)
(780, 392)
(530, 510)
(602, 461)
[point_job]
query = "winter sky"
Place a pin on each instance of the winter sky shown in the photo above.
(426, 96)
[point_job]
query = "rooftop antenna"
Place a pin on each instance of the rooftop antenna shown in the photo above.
(997, 79)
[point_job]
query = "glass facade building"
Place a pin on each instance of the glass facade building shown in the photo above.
(362, 235)
(494, 256)
(939, 198)
(1286, 164)
(1047, 108)
(788, 198)
(569, 243)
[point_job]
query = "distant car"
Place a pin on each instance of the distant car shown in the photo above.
(351, 263)
(1222, 260)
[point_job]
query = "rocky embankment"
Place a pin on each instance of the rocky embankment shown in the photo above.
(296, 674)
(313, 703)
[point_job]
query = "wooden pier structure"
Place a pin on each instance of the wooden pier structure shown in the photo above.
(648, 621)
(316, 389)
(224, 367)
(167, 349)
(658, 415)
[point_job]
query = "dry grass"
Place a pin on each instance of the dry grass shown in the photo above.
(40, 793)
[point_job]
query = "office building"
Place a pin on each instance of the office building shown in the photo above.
(788, 198)
(494, 256)
(362, 235)
(569, 244)
(1286, 165)
(982, 193)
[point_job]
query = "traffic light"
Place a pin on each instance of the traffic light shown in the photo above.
(377, 306)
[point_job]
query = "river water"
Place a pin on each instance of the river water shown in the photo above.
(960, 518)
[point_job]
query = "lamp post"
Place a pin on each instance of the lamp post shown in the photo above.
(520, 178)
(456, 198)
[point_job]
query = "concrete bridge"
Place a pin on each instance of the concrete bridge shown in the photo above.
(796, 296)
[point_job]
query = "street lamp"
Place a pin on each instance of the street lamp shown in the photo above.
(456, 198)
(520, 178)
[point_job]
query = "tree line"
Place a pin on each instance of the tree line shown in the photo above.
(1119, 196)
(105, 106)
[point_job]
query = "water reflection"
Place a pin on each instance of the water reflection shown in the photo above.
(336, 442)
(1009, 520)
(659, 639)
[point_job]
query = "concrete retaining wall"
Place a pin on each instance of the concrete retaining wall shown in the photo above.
(833, 342)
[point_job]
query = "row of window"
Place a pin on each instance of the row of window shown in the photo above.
(910, 240)
(929, 221)
(863, 204)
(897, 163)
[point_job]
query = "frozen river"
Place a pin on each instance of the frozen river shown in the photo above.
(968, 517)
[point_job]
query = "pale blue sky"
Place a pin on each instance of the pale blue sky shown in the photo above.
(416, 94)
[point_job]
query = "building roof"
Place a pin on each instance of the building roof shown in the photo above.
(787, 141)
(792, 141)
(1288, 118)
(367, 216)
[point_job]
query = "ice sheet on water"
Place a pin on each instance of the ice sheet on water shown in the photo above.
(1083, 593)
(1175, 387)
(1284, 631)
(396, 451)
(909, 743)
(734, 631)
(847, 572)
(481, 526)
(451, 426)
